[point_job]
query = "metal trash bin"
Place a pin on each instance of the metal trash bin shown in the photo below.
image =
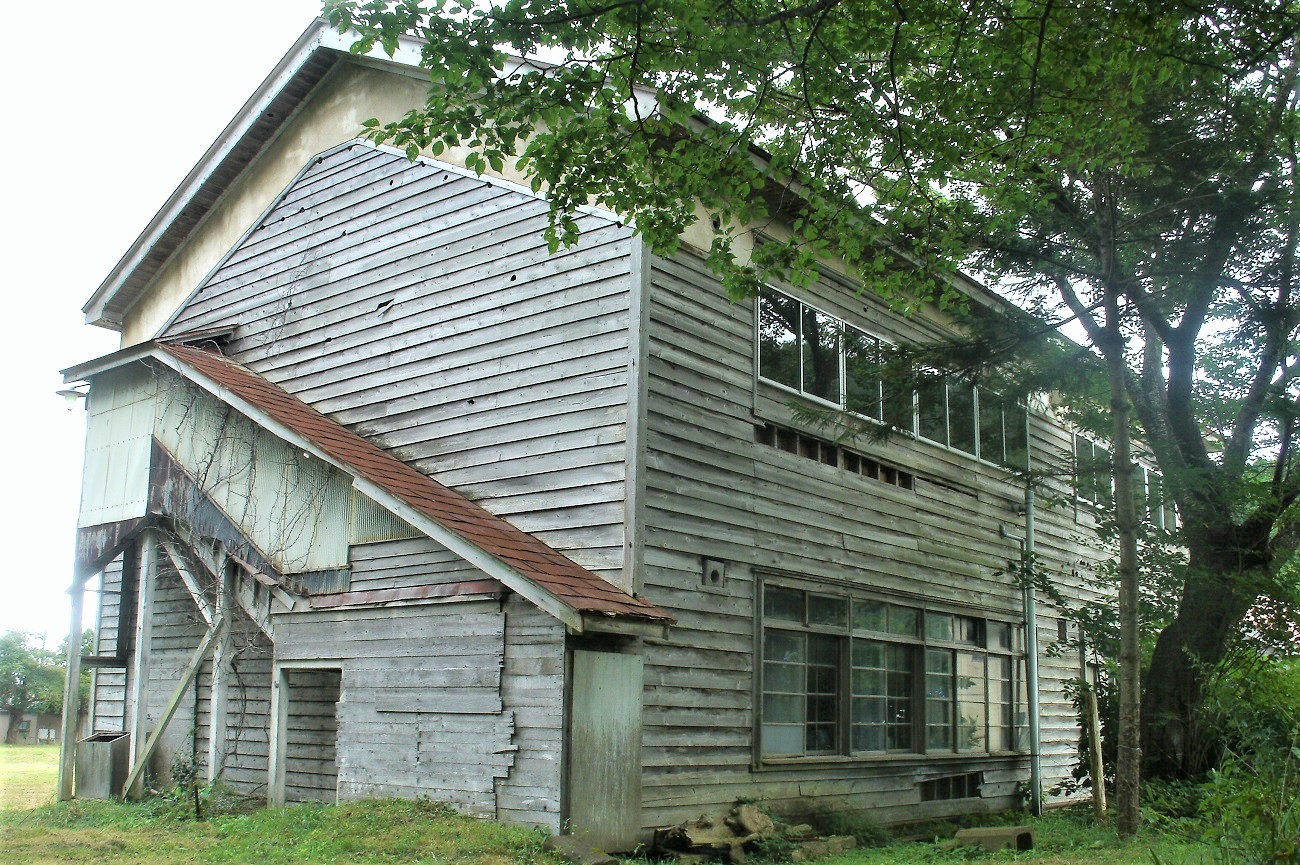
(101, 766)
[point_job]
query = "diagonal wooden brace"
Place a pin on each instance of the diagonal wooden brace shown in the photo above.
(187, 678)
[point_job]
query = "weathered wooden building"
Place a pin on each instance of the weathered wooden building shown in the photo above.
(387, 500)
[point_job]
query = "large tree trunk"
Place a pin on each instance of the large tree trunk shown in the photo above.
(1128, 769)
(11, 734)
(1222, 583)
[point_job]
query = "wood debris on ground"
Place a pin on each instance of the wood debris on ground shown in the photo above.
(733, 837)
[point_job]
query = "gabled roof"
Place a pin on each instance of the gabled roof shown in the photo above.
(317, 51)
(525, 564)
(257, 122)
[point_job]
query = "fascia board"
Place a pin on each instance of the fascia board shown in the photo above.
(122, 357)
(289, 66)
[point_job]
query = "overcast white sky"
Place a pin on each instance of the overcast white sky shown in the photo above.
(106, 112)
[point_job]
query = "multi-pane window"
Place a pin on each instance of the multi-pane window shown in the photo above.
(820, 356)
(1159, 505)
(1092, 471)
(1093, 483)
(848, 674)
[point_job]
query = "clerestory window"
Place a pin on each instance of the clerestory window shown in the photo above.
(819, 356)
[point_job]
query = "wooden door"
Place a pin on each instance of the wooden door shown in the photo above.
(604, 750)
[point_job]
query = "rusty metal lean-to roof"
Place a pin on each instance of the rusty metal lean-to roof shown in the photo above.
(578, 589)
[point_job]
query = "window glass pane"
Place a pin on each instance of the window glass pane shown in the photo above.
(972, 719)
(970, 631)
(882, 695)
(782, 740)
(868, 653)
(991, 441)
(939, 700)
(868, 615)
(861, 373)
(904, 621)
(778, 338)
(1001, 705)
(938, 626)
(783, 646)
(896, 396)
(1017, 437)
(821, 355)
(1083, 470)
(822, 728)
(784, 678)
(785, 605)
(897, 694)
(828, 610)
(961, 417)
(783, 709)
(931, 409)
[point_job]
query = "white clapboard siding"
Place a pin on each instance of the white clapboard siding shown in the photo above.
(532, 687)
(311, 735)
(108, 684)
(176, 630)
(712, 492)
(421, 711)
(422, 309)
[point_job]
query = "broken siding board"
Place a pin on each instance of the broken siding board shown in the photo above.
(532, 686)
(421, 710)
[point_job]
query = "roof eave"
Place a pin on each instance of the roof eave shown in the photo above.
(99, 309)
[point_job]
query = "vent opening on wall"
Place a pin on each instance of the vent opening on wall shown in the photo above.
(965, 786)
(830, 454)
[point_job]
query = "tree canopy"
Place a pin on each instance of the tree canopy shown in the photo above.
(31, 677)
(1131, 166)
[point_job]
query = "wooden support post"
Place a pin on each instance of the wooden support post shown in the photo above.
(71, 693)
(1096, 768)
(221, 653)
(182, 687)
(139, 674)
(277, 749)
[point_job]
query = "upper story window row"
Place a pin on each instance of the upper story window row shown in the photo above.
(1094, 483)
(833, 362)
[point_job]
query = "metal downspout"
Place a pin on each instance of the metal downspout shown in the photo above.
(1031, 661)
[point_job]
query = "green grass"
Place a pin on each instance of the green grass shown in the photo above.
(29, 775)
(163, 832)
(159, 832)
(1065, 837)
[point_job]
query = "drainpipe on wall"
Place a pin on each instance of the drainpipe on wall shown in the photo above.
(1031, 661)
(1030, 613)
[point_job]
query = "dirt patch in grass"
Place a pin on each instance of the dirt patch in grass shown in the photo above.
(29, 775)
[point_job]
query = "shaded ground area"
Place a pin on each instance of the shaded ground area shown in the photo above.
(28, 775)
